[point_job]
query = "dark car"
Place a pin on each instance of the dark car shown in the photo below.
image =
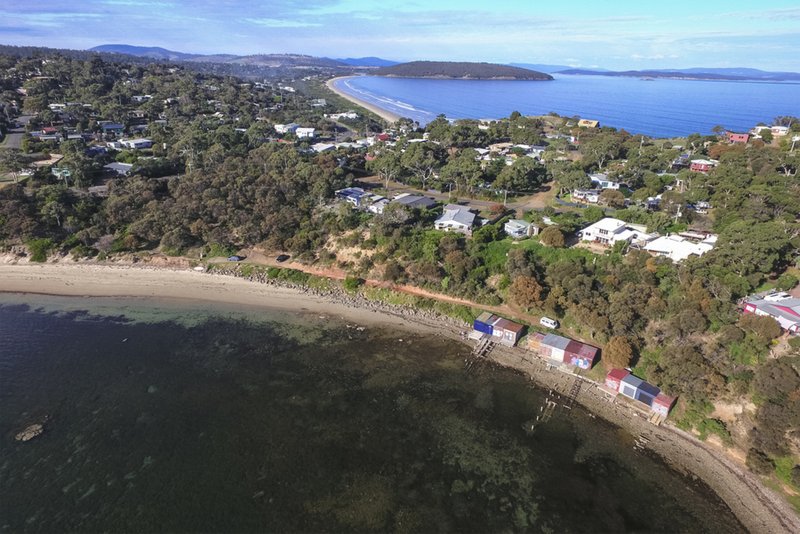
(282, 258)
(236, 258)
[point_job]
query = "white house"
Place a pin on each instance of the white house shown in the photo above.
(305, 133)
(352, 115)
(780, 306)
(519, 229)
(601, 180)
(322, 147)
(456, 219)
(137, 144)
(779, 131)
(592, 196)
(678, 247)
(286, 128)
(608, 231)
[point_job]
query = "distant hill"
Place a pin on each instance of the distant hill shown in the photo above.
(729, 74)
(460, 70)
(542, 67)
(367, 62)
(154, 52)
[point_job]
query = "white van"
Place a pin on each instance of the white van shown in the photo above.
(548, 322)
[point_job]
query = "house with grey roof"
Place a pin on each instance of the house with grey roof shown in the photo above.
(456, 218)
(414, 201)
(122, 169)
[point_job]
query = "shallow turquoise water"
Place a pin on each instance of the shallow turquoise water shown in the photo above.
(162, 416)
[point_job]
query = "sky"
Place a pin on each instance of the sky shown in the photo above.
(581, 33)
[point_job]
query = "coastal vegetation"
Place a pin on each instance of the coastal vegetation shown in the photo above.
(460, 70)
(219, 178)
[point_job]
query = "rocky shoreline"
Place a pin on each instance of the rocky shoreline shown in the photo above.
(758, 508)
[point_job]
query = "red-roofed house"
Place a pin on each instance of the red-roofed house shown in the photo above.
(738, 137)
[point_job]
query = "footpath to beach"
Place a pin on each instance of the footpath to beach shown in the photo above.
(758, 508)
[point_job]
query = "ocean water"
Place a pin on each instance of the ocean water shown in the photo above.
(167, 416)
(658, 108)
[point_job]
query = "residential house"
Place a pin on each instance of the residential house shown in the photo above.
(679, 247)
(378, 206)
(738, 137)
(587, 123)
(322, 147)
(559, 350)
(122, 169)
(623, 382)
(141, 98)
(591, 196)
(305, 133)
(319, 103)
(782, 307)
(501, 330)
(351, 115)
(414, 201)
(601, 180)
(702, 165)
(115, 128)
(519, 229)
(286, 128)
(137, 144)
(608, 231)
(353, 195)
(456, 218)
(779, 131)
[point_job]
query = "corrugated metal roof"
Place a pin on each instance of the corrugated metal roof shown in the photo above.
(664, 400)
(633, 381)
(484, 317)
(555, 341)
(618, 374)
(650, 389)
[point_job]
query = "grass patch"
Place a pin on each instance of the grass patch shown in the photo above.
(39, 249)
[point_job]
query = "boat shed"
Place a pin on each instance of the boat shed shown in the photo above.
(614, 378)
(505, 331)
(629, 386)
(662, 404)
(646, 393)
(558, 349)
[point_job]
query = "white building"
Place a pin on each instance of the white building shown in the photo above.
(601, 180)
(609, 231)
(286, 128)
(305, 133)
(456, 219)
(137, 144)
(519, 229)
(678, 247)
(352, 115)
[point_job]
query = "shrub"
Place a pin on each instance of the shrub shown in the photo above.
(759, 463)
(552, 237)
(618, 353)
(39, 249)
(352, 283)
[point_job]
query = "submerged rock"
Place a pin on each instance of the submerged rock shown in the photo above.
(30, 432)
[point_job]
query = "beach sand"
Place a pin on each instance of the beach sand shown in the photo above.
(388, 116)
(758, 508)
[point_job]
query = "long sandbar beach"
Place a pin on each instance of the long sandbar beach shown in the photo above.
(382, 113)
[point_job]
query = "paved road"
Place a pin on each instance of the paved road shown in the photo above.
(13, 139)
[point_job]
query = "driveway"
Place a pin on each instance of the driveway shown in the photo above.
(13, 139)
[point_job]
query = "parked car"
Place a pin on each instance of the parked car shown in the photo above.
(236, 258)
(282, 258)
(548, 322)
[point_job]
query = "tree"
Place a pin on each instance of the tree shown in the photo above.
(463, 169)
(618, 353)
(552, 237)
(422, 160)
(12, 162)
(525, 291)
(612, 198)
(387, 165)
(524, 175)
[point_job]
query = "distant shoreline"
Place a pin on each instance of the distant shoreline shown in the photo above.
(756, 507)
(385, 114)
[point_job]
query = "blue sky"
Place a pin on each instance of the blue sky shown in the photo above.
(585, 33)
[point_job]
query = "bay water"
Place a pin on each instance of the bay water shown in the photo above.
(653, 107)
(176, 416)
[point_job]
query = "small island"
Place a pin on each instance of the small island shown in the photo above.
(460, 71)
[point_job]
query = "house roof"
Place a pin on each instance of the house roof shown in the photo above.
(664, 400)
(511, 326)
(119, 168)
(631, 380)
(608, 224)
(414, 201)
(582, 350)
(556, 341)
(788, 308)
(679, 248)
(518, 224)
(618, 374)
(457, 214)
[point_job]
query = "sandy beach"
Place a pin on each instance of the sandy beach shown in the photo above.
(382, 113)
(757, 507)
